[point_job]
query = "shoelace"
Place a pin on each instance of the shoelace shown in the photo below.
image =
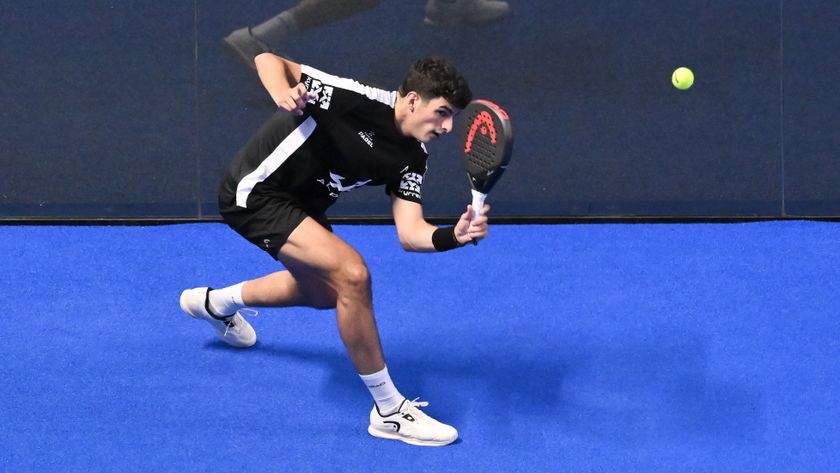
(231, 322)
(412, 406)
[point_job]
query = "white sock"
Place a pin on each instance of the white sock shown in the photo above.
(384, 392)
(225, 302)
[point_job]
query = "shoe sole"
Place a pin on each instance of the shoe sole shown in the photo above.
(409, 440)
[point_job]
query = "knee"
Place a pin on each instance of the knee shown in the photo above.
(353, 276)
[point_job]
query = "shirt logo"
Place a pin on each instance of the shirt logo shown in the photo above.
(367, 137)
(323, 93)
(336, 185)
(411, 183)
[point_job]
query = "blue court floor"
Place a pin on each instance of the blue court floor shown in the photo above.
(643, 347)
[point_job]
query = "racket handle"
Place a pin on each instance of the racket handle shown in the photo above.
(477, 202)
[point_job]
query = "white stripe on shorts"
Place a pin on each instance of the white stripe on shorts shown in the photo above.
(274, 160)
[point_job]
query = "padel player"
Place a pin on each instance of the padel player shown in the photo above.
(331, 135)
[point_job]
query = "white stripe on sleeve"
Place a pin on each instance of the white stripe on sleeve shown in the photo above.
(274, 160)
(384, 96)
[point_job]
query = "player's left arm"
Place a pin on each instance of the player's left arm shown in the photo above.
(417, 235)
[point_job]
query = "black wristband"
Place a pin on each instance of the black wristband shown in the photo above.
(444, 239)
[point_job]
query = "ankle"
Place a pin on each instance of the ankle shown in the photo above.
(389, 407)
(225, 302)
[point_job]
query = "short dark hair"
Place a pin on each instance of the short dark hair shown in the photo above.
(433, 77)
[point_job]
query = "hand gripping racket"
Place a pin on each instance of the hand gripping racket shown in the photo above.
(488, 142)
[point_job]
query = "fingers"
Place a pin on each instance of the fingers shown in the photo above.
(463, 225)
(479, 227)
(478, 233)
(473, 229)
(295, 99)
(288, 103)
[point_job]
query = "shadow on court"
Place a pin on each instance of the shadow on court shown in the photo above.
(623, 389)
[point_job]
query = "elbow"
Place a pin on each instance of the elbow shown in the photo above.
(261, 58)
(268, 61)
(406, 243)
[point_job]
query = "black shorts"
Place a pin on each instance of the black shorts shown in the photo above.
(269, 220)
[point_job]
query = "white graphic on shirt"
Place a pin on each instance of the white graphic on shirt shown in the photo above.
(383, 96)
(323, 93)
(367, 137)
(410, 184)
(336, 186)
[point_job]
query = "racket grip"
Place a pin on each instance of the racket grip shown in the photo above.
(477, 202)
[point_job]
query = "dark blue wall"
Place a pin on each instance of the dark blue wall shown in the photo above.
(131, 108)
(811, 127)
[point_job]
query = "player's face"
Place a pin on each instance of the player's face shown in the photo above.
(431, 118)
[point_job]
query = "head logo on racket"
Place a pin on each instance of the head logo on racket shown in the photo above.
(487, 138)
(484, 122)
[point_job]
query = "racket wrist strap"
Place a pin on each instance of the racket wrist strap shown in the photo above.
(443, 239)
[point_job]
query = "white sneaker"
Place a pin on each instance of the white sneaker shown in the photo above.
(233, 330)
(411, 425)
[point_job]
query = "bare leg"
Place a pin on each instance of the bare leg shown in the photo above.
(247, 42)
(305, 15)
(324, 271)
(281, 289)
(312, 13)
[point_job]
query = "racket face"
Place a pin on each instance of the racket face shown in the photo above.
(487, 139)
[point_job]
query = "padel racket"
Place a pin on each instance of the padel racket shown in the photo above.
(487, 137)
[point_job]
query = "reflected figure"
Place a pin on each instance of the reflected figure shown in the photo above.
(268, 36)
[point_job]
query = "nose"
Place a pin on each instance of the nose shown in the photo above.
(446, 126)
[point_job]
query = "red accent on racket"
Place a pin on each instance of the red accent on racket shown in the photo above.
(487, 137)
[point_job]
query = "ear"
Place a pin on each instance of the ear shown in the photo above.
(412, 99)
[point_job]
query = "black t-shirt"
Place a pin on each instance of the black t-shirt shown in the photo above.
(346, 138)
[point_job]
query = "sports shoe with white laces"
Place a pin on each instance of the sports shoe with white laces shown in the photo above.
(233, 330)
(411, 425)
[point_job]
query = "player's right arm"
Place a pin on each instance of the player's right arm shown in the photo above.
(281, 78)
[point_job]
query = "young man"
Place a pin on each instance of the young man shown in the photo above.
(332, 135)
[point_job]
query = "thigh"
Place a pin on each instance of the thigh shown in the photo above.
(313, 252)
(269, 221)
